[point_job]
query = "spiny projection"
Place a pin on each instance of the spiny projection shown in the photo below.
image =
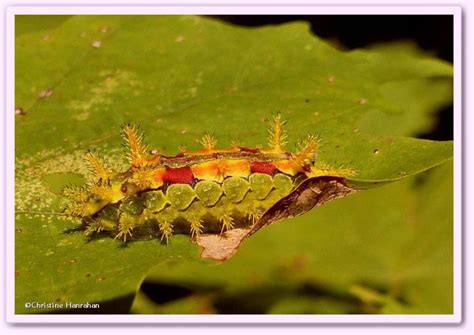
(206, 191)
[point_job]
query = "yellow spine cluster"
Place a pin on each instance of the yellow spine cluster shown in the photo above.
(277, 135)
(138, 152)
(307, 150)
(208, 142)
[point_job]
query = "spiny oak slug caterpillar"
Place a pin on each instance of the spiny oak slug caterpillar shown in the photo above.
(207, 191)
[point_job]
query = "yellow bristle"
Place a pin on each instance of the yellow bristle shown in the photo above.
(99, 170)
(227, 222)
(235, 145)
(93, 227)
(76, 210)
(125, 228)
(76, 193)
(307, 150)
(254, 215)
(166, 229)
(277, 138)
(182, 149)
(137, 150)
(102, 192)
(208, 142)
(142, 178)
(196, 228)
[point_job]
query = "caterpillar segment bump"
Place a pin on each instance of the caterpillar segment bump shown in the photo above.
(208, 191)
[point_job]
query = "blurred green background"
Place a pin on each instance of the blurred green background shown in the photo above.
(385, 250)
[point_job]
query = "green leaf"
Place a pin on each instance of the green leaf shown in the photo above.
(196, 304)
(79, 78)
(387, 250)
(56, 265)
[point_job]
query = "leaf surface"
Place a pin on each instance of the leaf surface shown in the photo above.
(79, 78)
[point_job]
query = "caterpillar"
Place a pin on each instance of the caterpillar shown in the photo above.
(206, 191)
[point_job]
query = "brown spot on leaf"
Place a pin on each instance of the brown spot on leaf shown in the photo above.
(332, 78)
(313, 192)
(19, 111)
(299, 262)
(296, 264)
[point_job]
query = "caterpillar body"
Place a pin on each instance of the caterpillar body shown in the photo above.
(207, 191)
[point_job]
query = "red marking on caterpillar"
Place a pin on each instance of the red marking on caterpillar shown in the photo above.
(262, 167)
(182, 175)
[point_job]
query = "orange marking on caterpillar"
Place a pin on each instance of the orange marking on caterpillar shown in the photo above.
(221, 168)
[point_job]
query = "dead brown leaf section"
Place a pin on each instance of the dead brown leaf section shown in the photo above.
(311, 193)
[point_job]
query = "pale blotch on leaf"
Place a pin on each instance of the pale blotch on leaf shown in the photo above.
(100, 95)
(81, 116)
(96, 44)
(46, 93)
(34, 197)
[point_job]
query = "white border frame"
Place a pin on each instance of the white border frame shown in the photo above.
(11, 317)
